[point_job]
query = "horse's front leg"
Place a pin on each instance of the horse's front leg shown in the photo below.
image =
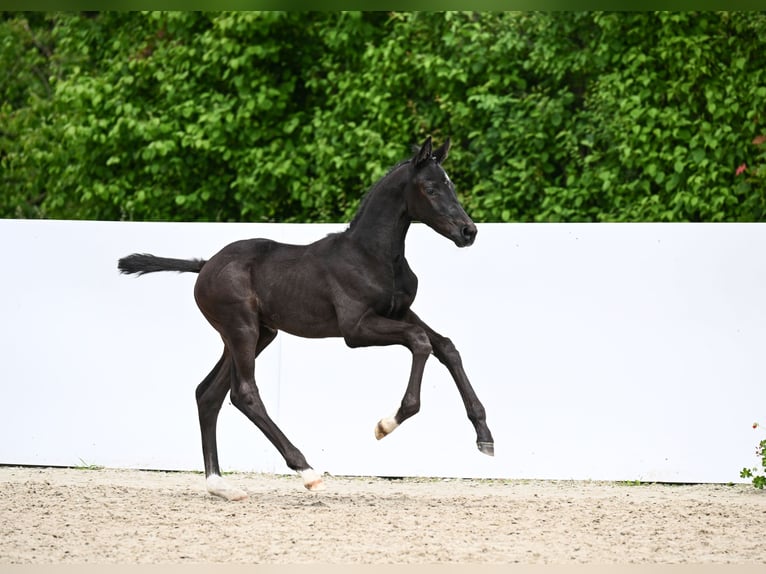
(374, 330)
(445, 351)
(410, 404)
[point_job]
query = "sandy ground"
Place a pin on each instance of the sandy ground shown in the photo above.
(50, 515)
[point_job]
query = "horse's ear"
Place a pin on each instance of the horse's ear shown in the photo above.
(441, 154)
(424, 154)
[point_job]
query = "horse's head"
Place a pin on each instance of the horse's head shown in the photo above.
(431, 196)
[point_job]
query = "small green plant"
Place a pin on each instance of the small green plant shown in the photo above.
(87, 466)
(758, 476)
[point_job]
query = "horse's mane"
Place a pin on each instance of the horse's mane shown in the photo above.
(366, 198)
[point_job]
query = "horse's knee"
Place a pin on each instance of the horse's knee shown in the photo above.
(420, 344)
(446, 352)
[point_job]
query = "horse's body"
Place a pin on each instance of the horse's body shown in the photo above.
(355, 284)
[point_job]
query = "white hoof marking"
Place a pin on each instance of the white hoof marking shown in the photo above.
(312, 480)
(385, 426)
(217, 486)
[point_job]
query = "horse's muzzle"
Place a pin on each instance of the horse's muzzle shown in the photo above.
(468, 233)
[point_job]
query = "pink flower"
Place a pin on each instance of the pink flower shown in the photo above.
(741, 169)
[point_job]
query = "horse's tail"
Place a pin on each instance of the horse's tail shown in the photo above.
(140, 263)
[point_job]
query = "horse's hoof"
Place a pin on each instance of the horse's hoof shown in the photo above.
(217, 486)
(487, 448)
(316, 486)
(311, 480)
(379, 432)
(385, 426)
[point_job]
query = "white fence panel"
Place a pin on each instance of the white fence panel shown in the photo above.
(601, 351)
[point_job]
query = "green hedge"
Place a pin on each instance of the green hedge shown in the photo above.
(272, 116)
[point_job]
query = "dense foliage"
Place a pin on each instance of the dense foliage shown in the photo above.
(269, 116)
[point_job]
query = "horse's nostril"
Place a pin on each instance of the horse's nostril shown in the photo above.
(469, 231)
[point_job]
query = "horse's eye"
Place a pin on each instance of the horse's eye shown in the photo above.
(431, 190)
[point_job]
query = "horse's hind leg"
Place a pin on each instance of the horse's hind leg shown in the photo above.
(244, 344)
(211, 393)
(210, 396)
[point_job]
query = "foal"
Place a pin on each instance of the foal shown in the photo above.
(355, 284)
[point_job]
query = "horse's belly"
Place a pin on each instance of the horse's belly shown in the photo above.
(311, 330)
(303, 320)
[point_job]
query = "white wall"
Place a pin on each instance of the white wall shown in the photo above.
(627, 352)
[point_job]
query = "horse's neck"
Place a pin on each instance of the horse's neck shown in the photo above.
(382, 222)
